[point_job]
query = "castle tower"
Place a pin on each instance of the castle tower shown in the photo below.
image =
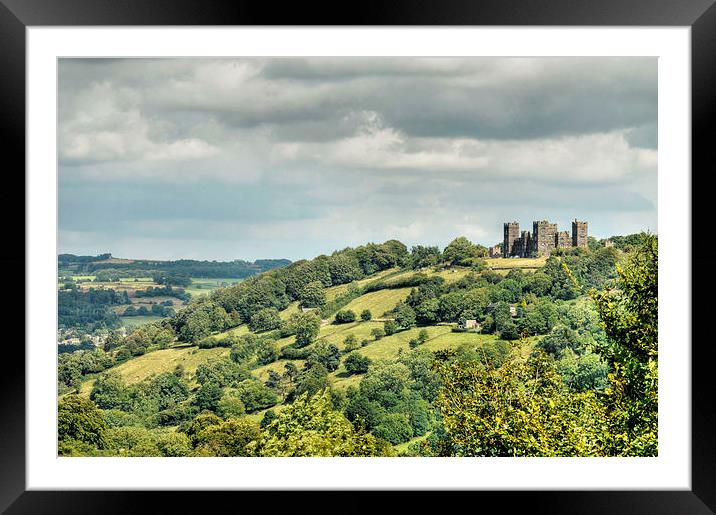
(512, 234)
(579, 234)
(544, 237)
(563, 240)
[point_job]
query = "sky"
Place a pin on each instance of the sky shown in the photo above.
(251, 158)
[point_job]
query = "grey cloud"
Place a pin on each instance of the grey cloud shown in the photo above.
(250, 158)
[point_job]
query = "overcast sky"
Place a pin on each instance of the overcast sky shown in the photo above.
(290, 158)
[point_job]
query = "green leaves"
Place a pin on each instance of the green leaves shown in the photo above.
(629, 313)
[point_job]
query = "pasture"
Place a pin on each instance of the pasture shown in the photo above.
(510, 263)
(203, 285)
(132, 322)
(378, 302)
(160, 361)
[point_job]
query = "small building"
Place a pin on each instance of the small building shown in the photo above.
(608, 243)
(496, 252)
(470, 324)
(308, 310)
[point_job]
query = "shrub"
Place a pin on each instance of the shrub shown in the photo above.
(357, 364)
(390, 327)
(345, 316)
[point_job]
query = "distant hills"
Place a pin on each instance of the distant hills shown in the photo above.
(238, 269)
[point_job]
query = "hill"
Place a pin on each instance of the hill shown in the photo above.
(370, 325)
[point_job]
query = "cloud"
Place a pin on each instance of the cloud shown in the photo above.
(296, 157)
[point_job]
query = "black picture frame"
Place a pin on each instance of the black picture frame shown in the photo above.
(16, 15)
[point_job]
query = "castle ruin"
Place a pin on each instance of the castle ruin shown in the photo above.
(544, 238)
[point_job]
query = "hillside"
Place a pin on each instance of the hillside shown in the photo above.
(373, 327)
(159, 361)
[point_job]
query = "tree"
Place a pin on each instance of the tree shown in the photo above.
(312, 380)
(313, 295)
(208, 396)
(394, 427)
(229, 438)
(79, 420)
(265, 319)
(504, 325)
(167, 390)
(221, 372)
(540, 317)
(630, 316)
(460, 251)
(583, 372)
(350, 342)
(110, 392)
(366, 315)
(310, 427)
(423, 336)
(356, 363)
(377, 333)
(327, 354)
(306, 327)
(405, 317)
(267, 352)
(197, 326)
(269, 416)
(427, 312)
(345, 316)
(519, 409)
(390, 327)
(255, 395)
(421, 256)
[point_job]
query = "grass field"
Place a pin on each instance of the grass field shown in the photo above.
(128, 285)
(378, 302)
(334, 291)
(160, 361)
(202, 285)
(508, 263)
(132, 322)
(452, 275)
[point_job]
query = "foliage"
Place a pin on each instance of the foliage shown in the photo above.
(313, 295)
(519, 409)
(79, 420)
(229, 438)
(310, 427)
(461, 251)
(405, 317)
(255, 395)
(390, 327)
(265, 319)
(345, 317)
(630, 316)
(356, 363)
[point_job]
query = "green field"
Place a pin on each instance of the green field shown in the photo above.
(509, 263)
(378, 302)
(203, 285)
(334, 291)
(132, 322)
(160, 361)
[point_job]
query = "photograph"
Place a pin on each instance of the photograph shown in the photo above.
(357, 257)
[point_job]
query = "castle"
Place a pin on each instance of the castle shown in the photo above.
(543, 239)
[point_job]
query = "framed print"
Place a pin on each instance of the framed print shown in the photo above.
(417, 249)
